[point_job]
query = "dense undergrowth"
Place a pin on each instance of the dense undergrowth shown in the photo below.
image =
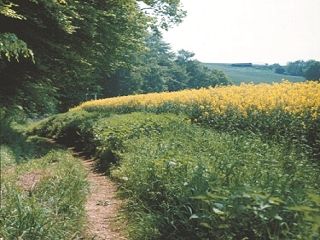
(184, 181)
(43, 188)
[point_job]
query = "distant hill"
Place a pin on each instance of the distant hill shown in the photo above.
(255, 73)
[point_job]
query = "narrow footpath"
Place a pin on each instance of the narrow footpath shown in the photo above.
(102, 206)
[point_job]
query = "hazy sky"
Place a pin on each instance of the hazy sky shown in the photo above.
(259, 31)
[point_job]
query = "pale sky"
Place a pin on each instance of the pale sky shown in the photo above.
(258, 31)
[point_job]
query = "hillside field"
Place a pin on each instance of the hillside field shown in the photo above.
(250, 74)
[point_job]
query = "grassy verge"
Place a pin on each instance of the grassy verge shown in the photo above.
(43, 189)
(184, 181)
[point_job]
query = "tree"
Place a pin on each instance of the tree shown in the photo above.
(158, 61)
(159, 69)
(280, 70)
(312, 71)
(295, 68)
(179, 78)
(199, 75)
(165, 12)
(184, 56)
(70, 46)
(147, 71)
(277, 68)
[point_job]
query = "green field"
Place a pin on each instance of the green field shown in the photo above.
(251, 74)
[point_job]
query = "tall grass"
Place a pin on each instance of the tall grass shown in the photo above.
(43, 188)
(184, 181)
(44, 198)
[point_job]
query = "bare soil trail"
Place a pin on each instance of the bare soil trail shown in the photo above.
(102, 206)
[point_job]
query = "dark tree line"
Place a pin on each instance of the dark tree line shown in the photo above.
(158, 69)
(308, 69)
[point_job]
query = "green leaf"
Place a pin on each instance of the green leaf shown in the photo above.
(193, 216)
(217, 211)
(275, 201)
(205, 225)
(315, 198)
(303, 209)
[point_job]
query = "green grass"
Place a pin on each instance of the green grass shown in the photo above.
(184, 181)
(250, 74)
(16, 148)
(43, 189)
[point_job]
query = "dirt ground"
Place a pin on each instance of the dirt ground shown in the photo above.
(102, 207)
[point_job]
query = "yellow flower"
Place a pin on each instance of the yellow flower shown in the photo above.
(295, 98)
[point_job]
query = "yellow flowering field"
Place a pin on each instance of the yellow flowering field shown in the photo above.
(290, 97)
(279, 110)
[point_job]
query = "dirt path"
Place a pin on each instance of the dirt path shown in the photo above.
(102, 207)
